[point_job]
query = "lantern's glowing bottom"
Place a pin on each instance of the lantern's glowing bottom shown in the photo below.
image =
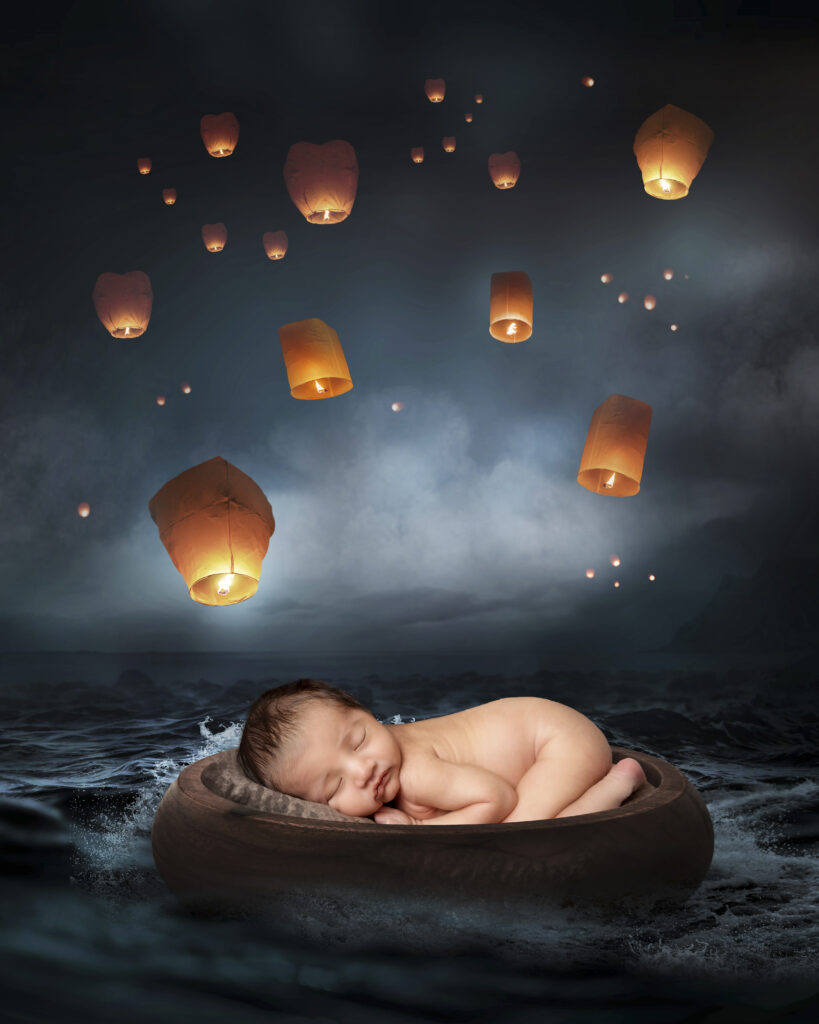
(127, 332)
(666, 188)
(506, 184)
(327, 216)
(222, 588)
(215, 248)
(510, 330)
(607, 481)
(322, 387)
(220, 152)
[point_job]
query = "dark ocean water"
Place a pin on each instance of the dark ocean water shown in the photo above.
(89, 932)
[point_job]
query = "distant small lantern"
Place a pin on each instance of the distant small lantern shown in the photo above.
(220, 133)
(685, 276)
(668, 273)
(649, 302)
(214, 236)
(504, 169)
(169, 196)
(587, 81)
(397, 406)
(674, 327)
(612, 460)
(478, 97)
(83, 510)
(123, 303)
(435, 88)
(614, 560)
(651, 576)
(314, 358)
(144, 165)
(468, 118)
(186, 388)
(617, 584)
(216, 524)
(622, 297)
(275, 244)
(606, 278)
(671, 147)
(448, 142)
(322, 180)
(417, 154)
(160, 399)
(511, 306)
(590, 574)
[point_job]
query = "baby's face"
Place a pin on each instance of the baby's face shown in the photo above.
(341, 758)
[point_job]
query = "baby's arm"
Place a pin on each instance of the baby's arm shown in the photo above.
(474, 795)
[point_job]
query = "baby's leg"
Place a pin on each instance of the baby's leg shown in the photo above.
(621, 781)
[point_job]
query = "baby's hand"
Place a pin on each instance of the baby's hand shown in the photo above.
(392, 816)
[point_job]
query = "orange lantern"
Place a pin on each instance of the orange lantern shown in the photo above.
(220, 133)
(668, 273)
(617, 584)
(622, 297)
(435, 88)
(448, 142)
(160, 399)
(587, 81)
(144, 165)
(674, 327)
(612, 460)
(671, 147)
(649, 302)
(510, 306)
(468, 118)
(186, 388)
(123, 303)
(322, 180)
(275, 244)
(478, 97)
(214, 236)
(590, 574)
(169, 196)
(504, 169)
(606, 278)
(614, 560)
(83, 510)
(417, 154)
(316, 367)
(397, 406)
(652, 577)
(216, 524)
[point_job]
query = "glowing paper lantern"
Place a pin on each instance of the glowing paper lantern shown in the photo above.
(186, 388)
(160, 399)
(417, 154)
(587, 81)
(83, 510)
(668, 273)
(275, 244)
(671, 147)
(397, 406)
(510, 306)
(322, 180)
(123, 303)
(616, 584)
(169, 196)
(651, 576)
(478, 97)
(504, 169)
(220, 133)
(674, 327)
(622, 297)
(590, 574)
(615, 561)
(214, 236)
(649, 302)
(144, 165)
(435, 88)
(606, 278)
(612, 460)
(468, 118)
(316, 367)
(216, 524)
(448, 142)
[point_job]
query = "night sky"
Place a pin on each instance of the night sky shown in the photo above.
(457, 523)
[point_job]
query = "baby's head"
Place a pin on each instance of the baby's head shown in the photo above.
(317, 742)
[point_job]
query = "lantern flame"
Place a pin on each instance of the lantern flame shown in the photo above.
(512, 328)
(223, 588)
(127, 331)
(610, 481)
(664, 185)
(319, 388)
(326, 214)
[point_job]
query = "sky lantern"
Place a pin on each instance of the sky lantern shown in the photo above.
(123, 303)
(622, 297)
(510, 306)
(216, 524)
(668, 273)
(652, 577)
(649, 302)
(612, 460)
(671, 147)
(674, 327)
(478, 97)
(468, 118)
(220, 133)
(169, 196)
(504, 169)
(322, 180)
(435, 88)
(275, 244)
(160, 399)
(83, 510)
(587, 81)
(316, 367)
(590, 574)
(606, 278)
(417, 154)
(397, 406)
(617, 584)
(186, 388)
(144, 165)
(214, 236)
(614, 560)
(448, 142)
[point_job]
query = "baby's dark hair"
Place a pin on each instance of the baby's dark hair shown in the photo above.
(273, 722)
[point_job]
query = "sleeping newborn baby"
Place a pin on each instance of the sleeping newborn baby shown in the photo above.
(513, 759)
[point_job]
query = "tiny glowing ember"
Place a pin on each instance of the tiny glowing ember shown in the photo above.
(160, 399)
(606, 278)
(615, 561)
(649, 302)
(651, 576)
(622, 297)
(83, 510)
(668, 273)
(468, 118)
(478, 97)
(397, 406)
(186, 388)
(223, 588)
(590, 574)
(587, 81)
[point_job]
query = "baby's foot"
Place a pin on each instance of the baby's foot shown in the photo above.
(628, 770)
